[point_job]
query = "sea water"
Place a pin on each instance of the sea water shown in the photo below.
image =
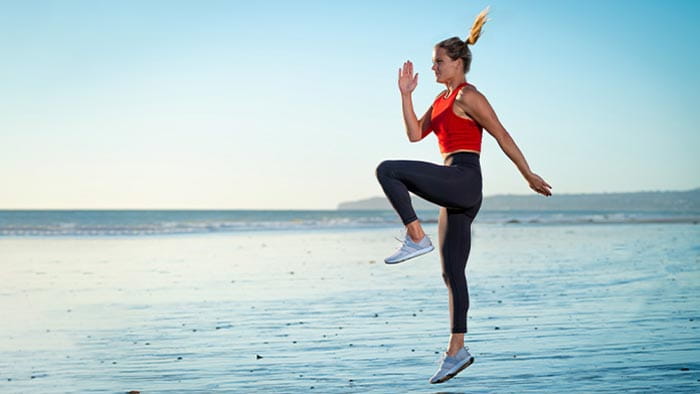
(565, 305)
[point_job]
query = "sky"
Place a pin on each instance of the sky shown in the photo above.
(293, 104)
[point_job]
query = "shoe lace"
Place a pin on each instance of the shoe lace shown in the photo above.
(442, 358)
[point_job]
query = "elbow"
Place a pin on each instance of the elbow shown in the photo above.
(415, 136)
(504, 138)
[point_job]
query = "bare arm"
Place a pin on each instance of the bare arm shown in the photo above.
(476, 106)
(415, 128)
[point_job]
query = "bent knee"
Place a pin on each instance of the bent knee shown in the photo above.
(384, 168)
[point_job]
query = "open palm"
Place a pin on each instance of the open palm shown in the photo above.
(407, 81)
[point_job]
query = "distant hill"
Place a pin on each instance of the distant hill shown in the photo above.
(673, 201)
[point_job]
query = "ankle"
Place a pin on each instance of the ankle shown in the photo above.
(416, 239)
(452, 352)
(415, 231)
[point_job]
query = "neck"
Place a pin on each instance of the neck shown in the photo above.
(452, 84)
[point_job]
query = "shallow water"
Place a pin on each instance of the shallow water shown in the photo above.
(583, 308)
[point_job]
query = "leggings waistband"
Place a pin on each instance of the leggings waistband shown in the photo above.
(462, 159)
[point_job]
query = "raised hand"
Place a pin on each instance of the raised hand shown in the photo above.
(539, 185)
(407, 81)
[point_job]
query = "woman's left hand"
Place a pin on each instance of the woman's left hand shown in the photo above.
(538, 184)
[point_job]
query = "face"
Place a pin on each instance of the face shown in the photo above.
(444, 67)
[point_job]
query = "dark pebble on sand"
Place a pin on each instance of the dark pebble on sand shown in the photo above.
(311, 387)
(9, 379)
(258, 357)
(376, 315)
(413, 350)
(148, 343)
(340, 327)
(291, 272)
(685, 369)
(500, 302)
(179, 357)
(32, 377)
(114, 362)
(514, 356)
(691, 319)
(437, 352)
(294, 341)
(350, 344)
(134, 392)
(414, 315)
(535, 328)
(194, 330)
(497, 328)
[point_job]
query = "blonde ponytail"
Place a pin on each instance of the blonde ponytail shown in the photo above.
(475, 31)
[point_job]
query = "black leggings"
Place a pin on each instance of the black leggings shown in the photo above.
(456, 187)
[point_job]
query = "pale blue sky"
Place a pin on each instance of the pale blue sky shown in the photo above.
(278, 104)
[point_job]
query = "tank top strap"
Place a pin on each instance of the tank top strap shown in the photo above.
(453, 94)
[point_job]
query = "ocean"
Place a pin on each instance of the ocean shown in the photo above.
(163, 222)
(301, 301)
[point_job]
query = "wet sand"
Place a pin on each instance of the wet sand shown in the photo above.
(582, 308)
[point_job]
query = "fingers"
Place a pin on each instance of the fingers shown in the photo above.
(407, 69)
(541, 187)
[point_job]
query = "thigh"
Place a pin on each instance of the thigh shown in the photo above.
(446, 186)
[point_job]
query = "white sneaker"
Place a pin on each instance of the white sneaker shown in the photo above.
(451, 366)
(410, 249)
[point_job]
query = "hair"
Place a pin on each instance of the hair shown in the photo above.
(458, 49)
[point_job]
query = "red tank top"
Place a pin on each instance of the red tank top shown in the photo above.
(453, 132)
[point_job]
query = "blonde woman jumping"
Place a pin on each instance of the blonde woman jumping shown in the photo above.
(457, 117)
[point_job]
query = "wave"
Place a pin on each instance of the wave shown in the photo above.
(144, 223)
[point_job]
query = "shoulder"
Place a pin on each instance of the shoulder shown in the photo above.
(470, 96)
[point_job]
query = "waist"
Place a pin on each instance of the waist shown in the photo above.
(469, 159)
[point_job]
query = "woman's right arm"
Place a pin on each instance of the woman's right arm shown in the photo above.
(416, 129)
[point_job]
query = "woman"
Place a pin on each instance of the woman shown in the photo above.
(457, 117)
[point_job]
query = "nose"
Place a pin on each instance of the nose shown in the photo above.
(434, 67)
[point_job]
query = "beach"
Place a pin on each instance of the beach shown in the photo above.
(554, 307)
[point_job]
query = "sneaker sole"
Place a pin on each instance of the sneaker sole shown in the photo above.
(453, 374)
(412, 255)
